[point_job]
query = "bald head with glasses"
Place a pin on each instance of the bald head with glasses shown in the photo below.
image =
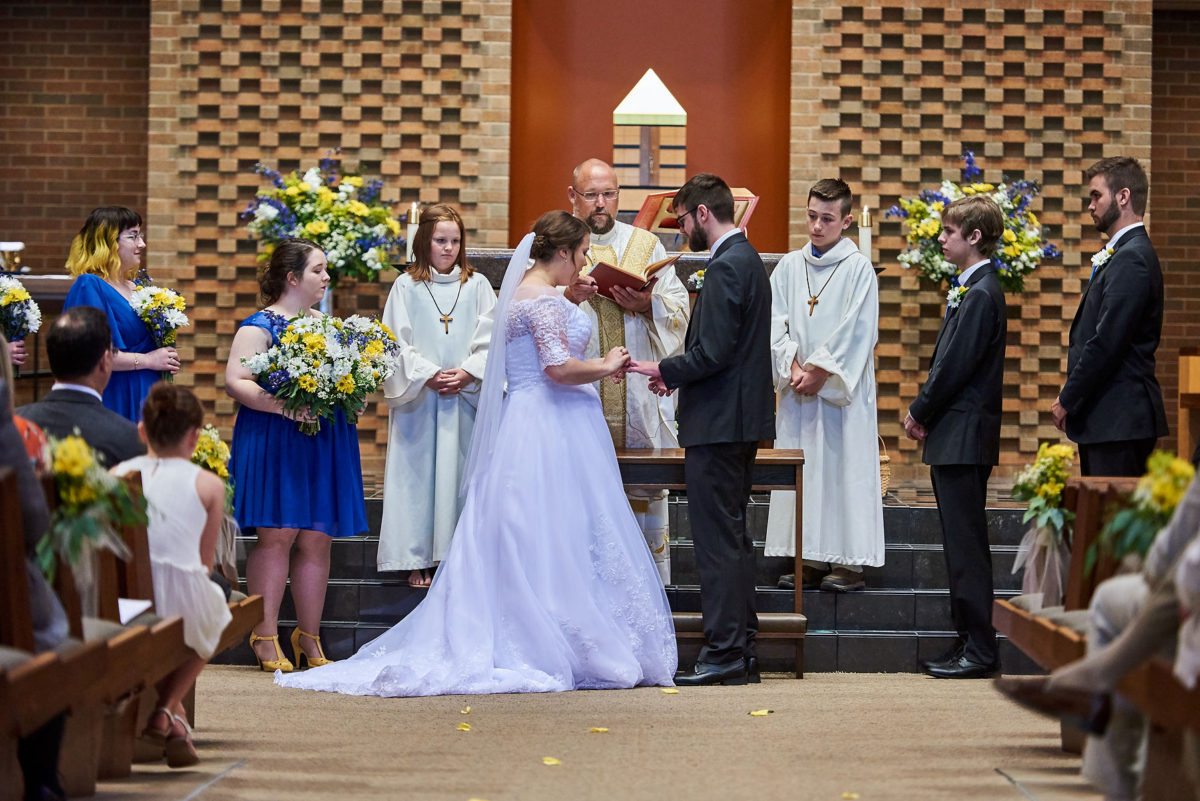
(594, 195)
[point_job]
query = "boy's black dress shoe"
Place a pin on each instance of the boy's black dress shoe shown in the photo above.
(946, 658)
(704, 673)
(752, 674)
(963, 668)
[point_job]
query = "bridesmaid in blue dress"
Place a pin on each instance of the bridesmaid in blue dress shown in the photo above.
(297, 490)
(105, 256)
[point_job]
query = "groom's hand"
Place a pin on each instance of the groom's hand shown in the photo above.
(649, 369)
(659, 388)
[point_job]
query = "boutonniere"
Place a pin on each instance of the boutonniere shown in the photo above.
(955, 296)
(1101, 257)
(696, 280)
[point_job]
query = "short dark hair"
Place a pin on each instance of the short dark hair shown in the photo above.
(554, 231)
(981, 213)
(1123, 172)
(169, 413)
(77, 341)
(705, 190)
(830, 189)
(289, 257)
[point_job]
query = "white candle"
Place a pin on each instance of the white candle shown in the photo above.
(413, 215)
(864, 233)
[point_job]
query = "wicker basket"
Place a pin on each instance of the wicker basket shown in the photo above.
(885, 469)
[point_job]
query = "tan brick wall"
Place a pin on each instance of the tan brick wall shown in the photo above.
(413, 91)
(889, 94)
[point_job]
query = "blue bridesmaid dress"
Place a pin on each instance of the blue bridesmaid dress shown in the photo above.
(286, 479)
(128, 388)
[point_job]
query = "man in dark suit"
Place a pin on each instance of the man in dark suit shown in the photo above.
(957, 414)
(79, 347)
(726, 405)
(1111, 404)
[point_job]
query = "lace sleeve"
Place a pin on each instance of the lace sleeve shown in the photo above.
(548, 324)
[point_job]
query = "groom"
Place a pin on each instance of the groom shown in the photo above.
(726, 405)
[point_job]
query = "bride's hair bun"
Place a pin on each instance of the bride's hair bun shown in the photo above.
(554, 231)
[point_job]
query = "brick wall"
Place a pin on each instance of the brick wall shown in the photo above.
(73, 83)
(1175, 191)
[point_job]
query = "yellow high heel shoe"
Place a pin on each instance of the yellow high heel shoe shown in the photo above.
(313, 661)
(271, 665)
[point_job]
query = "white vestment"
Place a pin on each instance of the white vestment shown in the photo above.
(837, 428)
(429, 434)
(649, 419)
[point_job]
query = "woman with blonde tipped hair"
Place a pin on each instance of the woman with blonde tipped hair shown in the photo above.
(105, 258)
(441, 313)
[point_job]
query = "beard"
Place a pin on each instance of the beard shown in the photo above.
(1110, 215)
(698, 240)
(600, 222)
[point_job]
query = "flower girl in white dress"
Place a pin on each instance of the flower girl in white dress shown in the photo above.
(186, 504)
(548, 584)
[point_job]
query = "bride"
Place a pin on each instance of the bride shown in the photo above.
(548, 584)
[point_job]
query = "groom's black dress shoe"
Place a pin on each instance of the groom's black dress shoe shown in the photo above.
(963, 668)
(946, 658)
(752, 675)
(704, 673)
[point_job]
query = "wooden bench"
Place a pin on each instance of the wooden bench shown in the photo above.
(1152, 687)
(774, 469)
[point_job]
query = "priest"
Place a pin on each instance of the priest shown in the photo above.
(651, 324)
(824, 325)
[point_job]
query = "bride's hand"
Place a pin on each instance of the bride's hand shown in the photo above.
(616, 361)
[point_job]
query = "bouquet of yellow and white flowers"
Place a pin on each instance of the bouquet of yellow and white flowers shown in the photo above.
(19, 313)
(1151, 504)
(92, 504)
(1021, 246)
(1044, 553)
(339, 211)
(213, 455)
(162, 310)
(323, 364)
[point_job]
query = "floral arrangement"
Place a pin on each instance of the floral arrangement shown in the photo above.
(323, 364)
(1151, 504)
(162, 310)
(213, 455)
(338, 211)
(92, 504)
(1041, 485)
(1021, 246)
(19, 313)
(955, 296)
(696, 280)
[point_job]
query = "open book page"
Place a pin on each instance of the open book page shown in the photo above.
(607, 276)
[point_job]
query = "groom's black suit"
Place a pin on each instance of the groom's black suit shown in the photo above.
(1113, 401)
(726, 405)
(959, 406)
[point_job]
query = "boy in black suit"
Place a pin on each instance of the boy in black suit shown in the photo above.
(1111, 403)
(957, 414)
(726, 405)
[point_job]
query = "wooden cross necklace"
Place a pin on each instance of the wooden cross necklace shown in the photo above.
(813, 299)
(445, 318)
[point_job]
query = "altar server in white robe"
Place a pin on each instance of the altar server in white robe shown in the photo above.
(441, 313)
(650, 324)
(824, 325)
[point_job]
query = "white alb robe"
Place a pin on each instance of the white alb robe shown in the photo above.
(429, 434)
(649, 419)
(837, 428)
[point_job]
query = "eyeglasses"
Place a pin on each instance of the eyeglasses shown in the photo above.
(679, 217)
(590, 197)
(134, 236)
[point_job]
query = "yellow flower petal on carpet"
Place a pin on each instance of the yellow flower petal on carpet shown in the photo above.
(850, 796)
(598, 730)
(464, 727)
(551, 761)
(465, 711)
(761, 713)
(670, 691)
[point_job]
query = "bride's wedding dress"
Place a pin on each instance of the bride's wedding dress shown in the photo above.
(548, 584)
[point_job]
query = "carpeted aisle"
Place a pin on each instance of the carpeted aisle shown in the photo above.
(830, 736)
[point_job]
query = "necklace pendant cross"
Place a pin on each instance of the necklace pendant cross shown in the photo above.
(446, 319)
(812, 302)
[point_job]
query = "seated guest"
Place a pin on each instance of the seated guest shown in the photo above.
(79, 347)
(186, 504)
(32, 435)
(37, 753)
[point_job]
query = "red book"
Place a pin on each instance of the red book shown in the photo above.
(607, 276)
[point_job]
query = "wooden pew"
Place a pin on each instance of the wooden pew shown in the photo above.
(774, 469)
